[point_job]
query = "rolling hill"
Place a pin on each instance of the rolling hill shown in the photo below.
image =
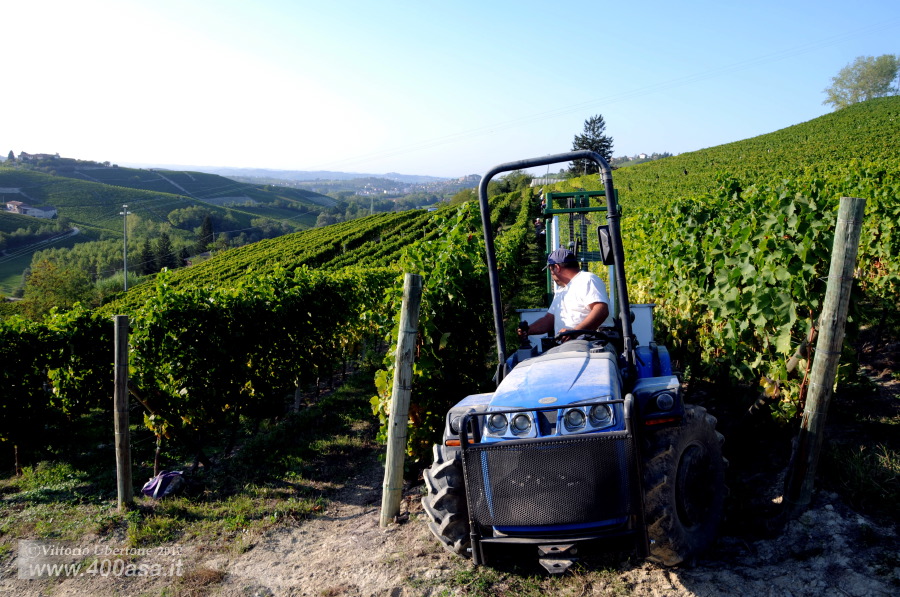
(866, 132)
(90, 196)
(823, 148)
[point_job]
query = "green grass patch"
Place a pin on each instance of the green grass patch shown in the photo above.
(281, 473)
(49, 476)
(53, 501)
(868, 476)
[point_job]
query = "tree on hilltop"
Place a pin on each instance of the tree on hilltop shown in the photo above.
(865, 78)
(165, 253)
(206, 235)
(147, 260)
(593, 139)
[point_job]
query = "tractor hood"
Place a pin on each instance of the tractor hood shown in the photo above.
(562, 376)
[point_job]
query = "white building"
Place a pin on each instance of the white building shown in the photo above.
(17, 207)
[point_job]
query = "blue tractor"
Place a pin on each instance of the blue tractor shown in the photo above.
(583, 441)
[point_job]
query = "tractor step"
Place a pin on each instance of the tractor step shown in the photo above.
(557, 558)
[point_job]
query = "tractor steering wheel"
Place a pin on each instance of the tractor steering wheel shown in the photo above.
(588, 334)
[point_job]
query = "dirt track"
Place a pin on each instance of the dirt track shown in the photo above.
(830, 550)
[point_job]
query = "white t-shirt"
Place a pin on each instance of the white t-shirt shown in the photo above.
(571, 303)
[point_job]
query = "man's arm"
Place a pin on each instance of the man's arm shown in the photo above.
(544, 325)
(599, 313)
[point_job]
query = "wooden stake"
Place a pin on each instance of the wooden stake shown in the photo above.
(120, 399)
(402, 388)
(801, 474)
(298, 396)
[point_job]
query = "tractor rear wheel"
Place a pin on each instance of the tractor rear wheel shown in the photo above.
(684, 477)
(445, 502)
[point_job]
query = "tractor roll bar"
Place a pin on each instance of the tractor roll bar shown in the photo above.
(612, 216)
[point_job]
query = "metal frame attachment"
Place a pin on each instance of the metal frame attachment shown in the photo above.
(612, 216)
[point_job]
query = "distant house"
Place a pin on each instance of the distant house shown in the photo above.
(32, 157)
(17, 207)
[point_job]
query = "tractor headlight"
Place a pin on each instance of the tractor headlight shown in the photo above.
(455, 424)
(665, 401)
(497, 424)
(574, 419)
(585, 418)
(600, 415)
(521, 424)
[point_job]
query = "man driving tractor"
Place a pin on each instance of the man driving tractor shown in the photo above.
(580, 302)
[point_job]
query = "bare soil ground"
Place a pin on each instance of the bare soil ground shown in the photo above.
(830, 550)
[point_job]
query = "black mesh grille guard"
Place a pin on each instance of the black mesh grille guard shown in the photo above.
(556, 481)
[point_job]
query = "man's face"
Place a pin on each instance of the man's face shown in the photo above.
(554, 273)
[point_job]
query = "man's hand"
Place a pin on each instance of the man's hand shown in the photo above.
(522, 332)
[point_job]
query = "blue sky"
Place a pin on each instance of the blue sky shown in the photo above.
(415, 87)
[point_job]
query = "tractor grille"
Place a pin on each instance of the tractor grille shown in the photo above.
(558, 481)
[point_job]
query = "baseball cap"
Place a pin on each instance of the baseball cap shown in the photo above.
(560, 256)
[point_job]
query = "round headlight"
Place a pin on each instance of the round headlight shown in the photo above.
(455, 422)
(521, 423)
(497, 424)
(665, 401)
(573, 419)
(600, 415)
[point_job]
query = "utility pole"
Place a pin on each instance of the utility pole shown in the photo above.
(125, 213)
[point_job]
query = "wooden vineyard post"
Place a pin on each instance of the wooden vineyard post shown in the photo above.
(399, 412)
(801, 474)
(120, 400)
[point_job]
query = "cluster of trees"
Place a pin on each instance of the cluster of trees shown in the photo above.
(194, 216)
(49, 285)
(865, 78)
(33, 233)
(154, 257)
(59, 278)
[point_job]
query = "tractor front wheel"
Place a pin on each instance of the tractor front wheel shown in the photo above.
(684, 477)
(445, 502)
